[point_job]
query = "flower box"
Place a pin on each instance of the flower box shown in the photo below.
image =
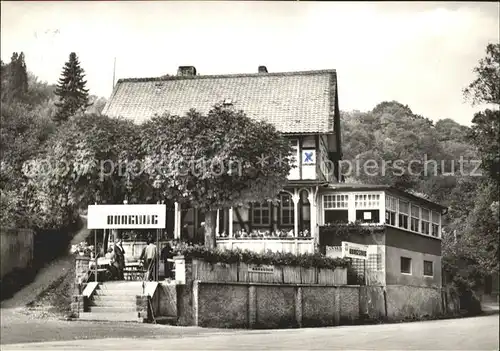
(291, 275)
(340, 276)
(308, 275)
(326, 276)
(214, 272)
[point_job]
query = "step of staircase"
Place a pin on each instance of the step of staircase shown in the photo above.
(122, 294)
(124, 289)
(114, 301)
(103, 296)
(110, 316)
(111, 302)
(113, 309)
(127, 286)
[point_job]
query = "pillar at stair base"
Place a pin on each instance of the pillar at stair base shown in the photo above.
(77, 305)
(143, 311)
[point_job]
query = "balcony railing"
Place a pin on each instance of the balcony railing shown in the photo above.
(298, 245)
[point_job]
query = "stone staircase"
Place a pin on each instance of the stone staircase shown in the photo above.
(114, 301)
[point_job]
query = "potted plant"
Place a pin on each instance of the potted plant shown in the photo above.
(82, 249)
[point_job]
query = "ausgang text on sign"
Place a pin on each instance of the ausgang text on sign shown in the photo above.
(126, 216)
(354, 250)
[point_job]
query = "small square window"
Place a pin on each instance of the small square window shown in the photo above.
(405, 265)
(428, 268)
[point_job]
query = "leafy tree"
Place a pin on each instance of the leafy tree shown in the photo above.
(73, 97)
(485, 88)
(390, 132)
(215, 161)
(480, 230)
(485, 134)
(84, 161)
(97, 105)
(483, 230)
(449, 130)
(39, 93)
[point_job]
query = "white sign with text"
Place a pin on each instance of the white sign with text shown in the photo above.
(353, 250)
(268, 269)
(126, 216)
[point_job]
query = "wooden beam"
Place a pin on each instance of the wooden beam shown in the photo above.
(217, 223)
(301, 139)
(225, 221)
(271, 219)
(301, 213)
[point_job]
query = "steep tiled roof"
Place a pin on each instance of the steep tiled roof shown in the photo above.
(295, 102)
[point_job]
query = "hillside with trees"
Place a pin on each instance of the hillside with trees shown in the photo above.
(29, 109)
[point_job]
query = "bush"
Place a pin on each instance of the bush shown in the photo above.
(269, 258)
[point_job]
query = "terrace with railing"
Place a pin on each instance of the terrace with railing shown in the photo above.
(276, 241)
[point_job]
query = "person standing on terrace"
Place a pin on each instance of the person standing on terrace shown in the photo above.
(148, 256)
(119, 258)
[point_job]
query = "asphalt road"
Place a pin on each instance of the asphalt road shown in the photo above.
(477, 333)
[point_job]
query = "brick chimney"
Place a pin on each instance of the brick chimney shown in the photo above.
(186, 71)
(262, 69)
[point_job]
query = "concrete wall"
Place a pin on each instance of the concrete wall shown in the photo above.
(409, 301)
(416, 278)
(372, 303)
(239, 305)
(250, 305)
(16, 250)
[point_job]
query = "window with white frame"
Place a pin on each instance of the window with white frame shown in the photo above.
(415, 218)
(436, 219)
(286, 209)
(391, 209)
(367, 201)
(404, 212)
(367, 208)
(425, 214)
(335, 208)
(261, 213)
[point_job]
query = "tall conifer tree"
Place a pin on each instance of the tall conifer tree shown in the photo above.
(14, 78)
(73, 97)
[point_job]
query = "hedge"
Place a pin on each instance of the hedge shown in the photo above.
(268, 258)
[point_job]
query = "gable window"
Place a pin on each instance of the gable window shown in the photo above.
(286, 209)
(415, 218)
(261, 213)
(428, 268)
(367, 208)
(403, 214)
(425, 221)
(335, 208)
(436, 219)
(391, 209)
(405, 265)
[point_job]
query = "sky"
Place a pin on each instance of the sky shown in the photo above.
(420, 54)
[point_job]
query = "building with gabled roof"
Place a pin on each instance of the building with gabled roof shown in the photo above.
(304, 106)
